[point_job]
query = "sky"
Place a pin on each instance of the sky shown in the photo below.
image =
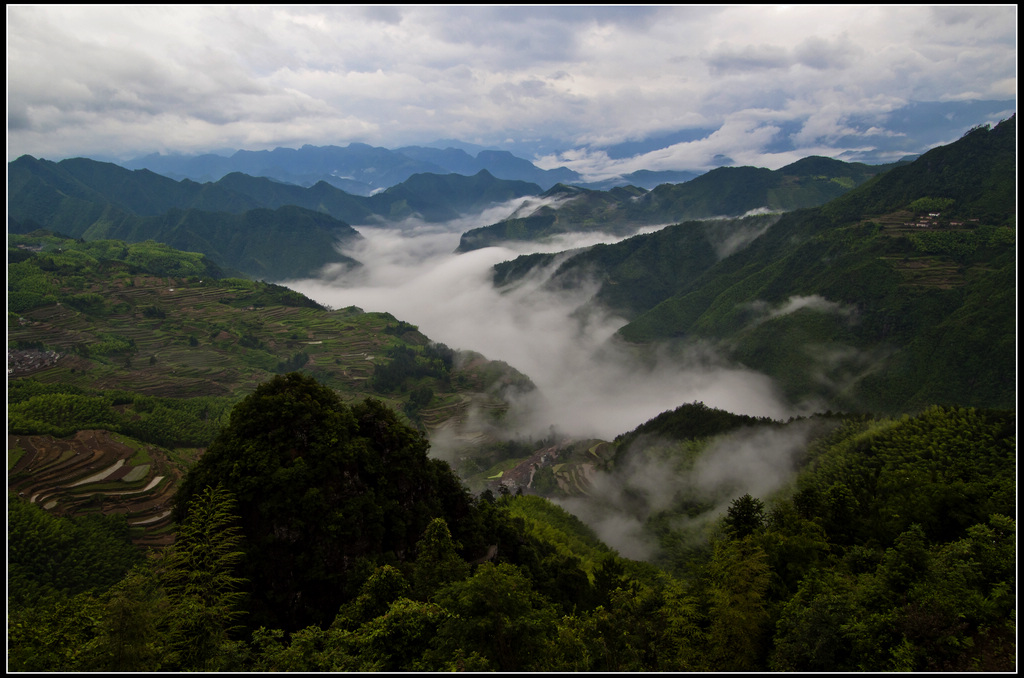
(563, 86)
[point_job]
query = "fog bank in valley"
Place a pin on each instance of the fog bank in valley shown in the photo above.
(587, 386)
(759, 461)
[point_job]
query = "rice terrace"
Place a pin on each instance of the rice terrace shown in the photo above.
(142, 370)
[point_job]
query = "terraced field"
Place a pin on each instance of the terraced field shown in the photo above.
(215, 338)
(181, 338)
(922, 270)
(96, 471)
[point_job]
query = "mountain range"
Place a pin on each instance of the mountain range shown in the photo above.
(722, 192)
(151, 399)
(899, 285)
(359, 169)
(241, 221)
(897, 272)
(897, 294)
(88, 199)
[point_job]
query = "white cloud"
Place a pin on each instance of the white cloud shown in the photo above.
(815, 302)
(126, 80)
(587, 385)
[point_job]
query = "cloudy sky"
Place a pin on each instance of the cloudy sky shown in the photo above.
(756, 85)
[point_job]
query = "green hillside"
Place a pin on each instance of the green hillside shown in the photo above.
(640, 272)
(886, 307)
(897, 295)
(254, 226)
(722, 192)
(156, 345)
(443, 197)
(151, 320)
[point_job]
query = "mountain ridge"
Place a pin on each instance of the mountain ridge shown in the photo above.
(240, 220)
(359, 169)
(878, 300)
(722, 192)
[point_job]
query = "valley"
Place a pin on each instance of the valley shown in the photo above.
(646, 421)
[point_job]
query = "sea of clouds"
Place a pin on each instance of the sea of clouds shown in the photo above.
(587, 384)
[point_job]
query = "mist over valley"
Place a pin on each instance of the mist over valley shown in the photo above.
(512, 338)
(588, 384)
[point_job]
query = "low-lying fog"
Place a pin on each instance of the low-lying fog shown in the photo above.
(587, 386)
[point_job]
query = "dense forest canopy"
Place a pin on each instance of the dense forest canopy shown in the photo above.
(344, 547)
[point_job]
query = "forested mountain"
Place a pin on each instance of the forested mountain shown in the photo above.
(288, 242)
(255, 226)
(640, 272)
(358, 169)
(896, 295)
(501, 164)
(43, 192)
(207, 473)
(722, 192)
(435, 197)
(646, 179)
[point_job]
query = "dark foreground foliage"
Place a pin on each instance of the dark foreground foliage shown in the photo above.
(315, 535)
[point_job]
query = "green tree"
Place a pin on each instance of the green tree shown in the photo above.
(130, 637)
(497, 614)
(744, 516)
(739, 615)
(383, 587)
(810, 634)
(437, 560)
(399, 639)
(326, 493)
(203, 588)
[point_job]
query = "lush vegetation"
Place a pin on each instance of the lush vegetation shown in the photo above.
(50, 558)
(319, 536)
(59, 410)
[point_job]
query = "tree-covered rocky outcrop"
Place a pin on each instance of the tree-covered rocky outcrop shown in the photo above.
(325, 491)
(317, 535)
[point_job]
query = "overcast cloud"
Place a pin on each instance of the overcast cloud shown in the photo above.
(123, 81)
